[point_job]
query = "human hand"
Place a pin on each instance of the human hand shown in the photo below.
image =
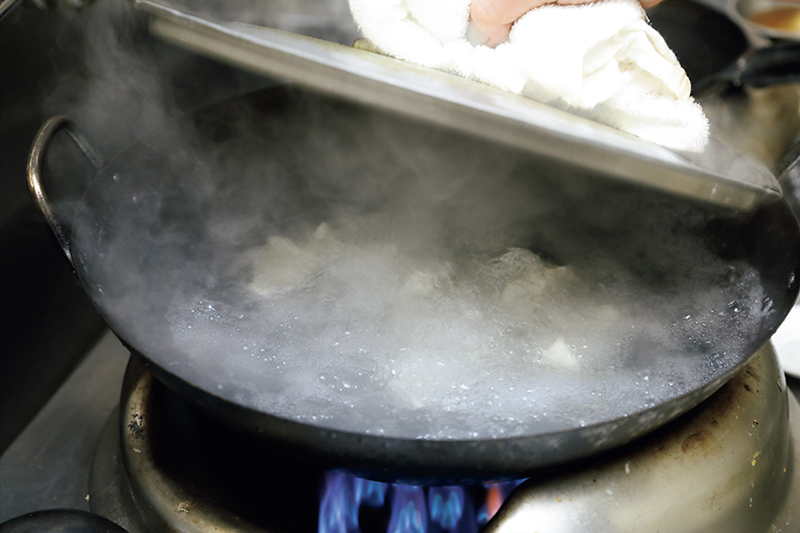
(494, 18)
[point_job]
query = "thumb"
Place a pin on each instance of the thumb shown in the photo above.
(494, 18)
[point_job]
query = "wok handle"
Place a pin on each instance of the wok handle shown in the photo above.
(36, 162)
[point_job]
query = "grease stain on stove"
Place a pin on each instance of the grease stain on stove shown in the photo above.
(751, 374)
(695, 440)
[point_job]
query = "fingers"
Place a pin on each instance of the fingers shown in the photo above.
(494, 18)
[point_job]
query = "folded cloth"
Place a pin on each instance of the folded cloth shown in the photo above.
(602, 60)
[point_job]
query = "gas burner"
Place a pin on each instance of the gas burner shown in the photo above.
(177, 469)
(729, 465)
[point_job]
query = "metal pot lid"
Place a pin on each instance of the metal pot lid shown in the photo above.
(719, 175)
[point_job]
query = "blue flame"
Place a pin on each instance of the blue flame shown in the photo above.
(373, 493)
(413, 509)
(409, 513)
(338, 512)
(446, 506)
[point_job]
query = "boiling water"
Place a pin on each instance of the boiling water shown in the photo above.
(388, 279)
(362, 337)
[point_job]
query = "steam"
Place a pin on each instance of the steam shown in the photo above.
(351, 269)
(129, 86)
(355, 270)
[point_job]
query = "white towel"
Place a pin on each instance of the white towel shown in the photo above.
(601, 60)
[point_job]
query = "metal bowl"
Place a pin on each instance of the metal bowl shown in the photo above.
(743, 12)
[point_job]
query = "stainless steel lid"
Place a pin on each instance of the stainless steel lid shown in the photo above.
(719, 175)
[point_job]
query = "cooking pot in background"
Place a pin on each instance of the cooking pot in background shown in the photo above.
(775, 19)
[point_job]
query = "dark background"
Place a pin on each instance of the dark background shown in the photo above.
(47, 321)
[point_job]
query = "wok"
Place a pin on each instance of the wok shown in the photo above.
(160, 199)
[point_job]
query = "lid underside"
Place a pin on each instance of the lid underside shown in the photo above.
(719, 175)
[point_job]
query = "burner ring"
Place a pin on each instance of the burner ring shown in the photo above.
(743, 439)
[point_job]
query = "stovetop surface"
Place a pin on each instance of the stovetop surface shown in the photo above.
(48, 464)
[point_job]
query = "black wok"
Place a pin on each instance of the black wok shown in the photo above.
(156, 195)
